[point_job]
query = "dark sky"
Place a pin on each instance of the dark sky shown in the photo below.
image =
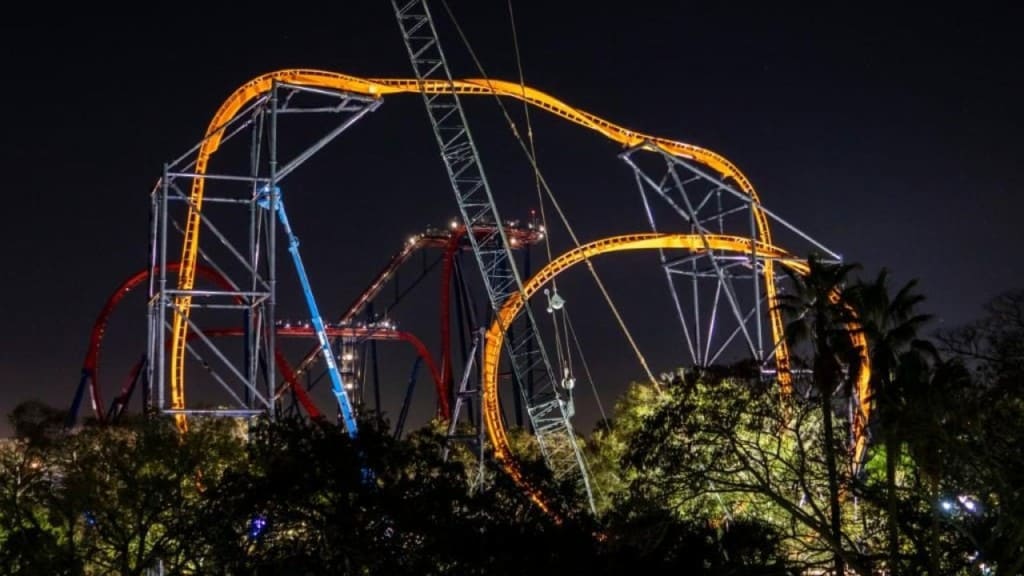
(893, 138)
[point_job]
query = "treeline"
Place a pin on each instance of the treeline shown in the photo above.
(713, 471)
(939, 488)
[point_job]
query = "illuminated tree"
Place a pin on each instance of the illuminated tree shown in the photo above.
(728, 451)
(137, 486)
(36, 532)
(609, 444)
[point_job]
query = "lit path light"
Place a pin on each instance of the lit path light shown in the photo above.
(649, 241)
(380, 87)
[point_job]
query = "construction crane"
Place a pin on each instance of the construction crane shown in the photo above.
(547, 409)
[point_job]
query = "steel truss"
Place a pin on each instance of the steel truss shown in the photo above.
(545, 405)
(733, 322)
(468, 398)
(245, 222)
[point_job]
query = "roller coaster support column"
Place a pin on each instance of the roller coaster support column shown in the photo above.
(464, 399)
(271, 198)
(706, 204)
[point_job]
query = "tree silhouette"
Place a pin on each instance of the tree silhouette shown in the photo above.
(817, 311)
(891, 324)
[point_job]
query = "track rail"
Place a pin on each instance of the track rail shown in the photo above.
(91, 364)
(381, 87)
(451, 240)
(496, 430)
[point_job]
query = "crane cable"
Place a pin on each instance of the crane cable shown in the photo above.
(533, 148)
(565, 363)
(586, 369)
(557, 207)
(564, 360)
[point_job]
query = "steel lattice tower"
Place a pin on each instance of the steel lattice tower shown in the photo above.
(547, 409)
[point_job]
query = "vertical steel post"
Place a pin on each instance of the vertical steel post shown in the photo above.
(164, 301)
(152, 300)
(757, 285)
(269, 321)
(376, 367)
(250, 337)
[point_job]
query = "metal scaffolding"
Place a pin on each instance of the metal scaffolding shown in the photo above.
(245, 253)
(727, 314)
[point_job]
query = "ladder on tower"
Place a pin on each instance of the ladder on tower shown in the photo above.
(547, 409)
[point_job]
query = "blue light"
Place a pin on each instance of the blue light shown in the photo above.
(257, 526)
(90, 519)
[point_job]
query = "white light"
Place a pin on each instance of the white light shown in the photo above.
(348, 357)
(454, 224)
(971, 505)
(947, 505)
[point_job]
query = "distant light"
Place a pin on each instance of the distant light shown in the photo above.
(970, 504)
(454, 224)
(257, 526)
(946, 505)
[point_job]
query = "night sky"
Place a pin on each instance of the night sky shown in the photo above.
(893, 138)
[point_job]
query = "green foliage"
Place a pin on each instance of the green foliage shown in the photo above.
(709, 472)
(34, 535)
(660, 543)
(977, 446)
(726, 450)
(610, 442)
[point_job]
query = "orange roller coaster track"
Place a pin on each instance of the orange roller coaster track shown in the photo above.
(380, 87)
(650, 241)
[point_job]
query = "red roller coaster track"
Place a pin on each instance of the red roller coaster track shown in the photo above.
(451, 240)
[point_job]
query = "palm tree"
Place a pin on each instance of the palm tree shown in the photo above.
(817, 312)
(891, 324)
